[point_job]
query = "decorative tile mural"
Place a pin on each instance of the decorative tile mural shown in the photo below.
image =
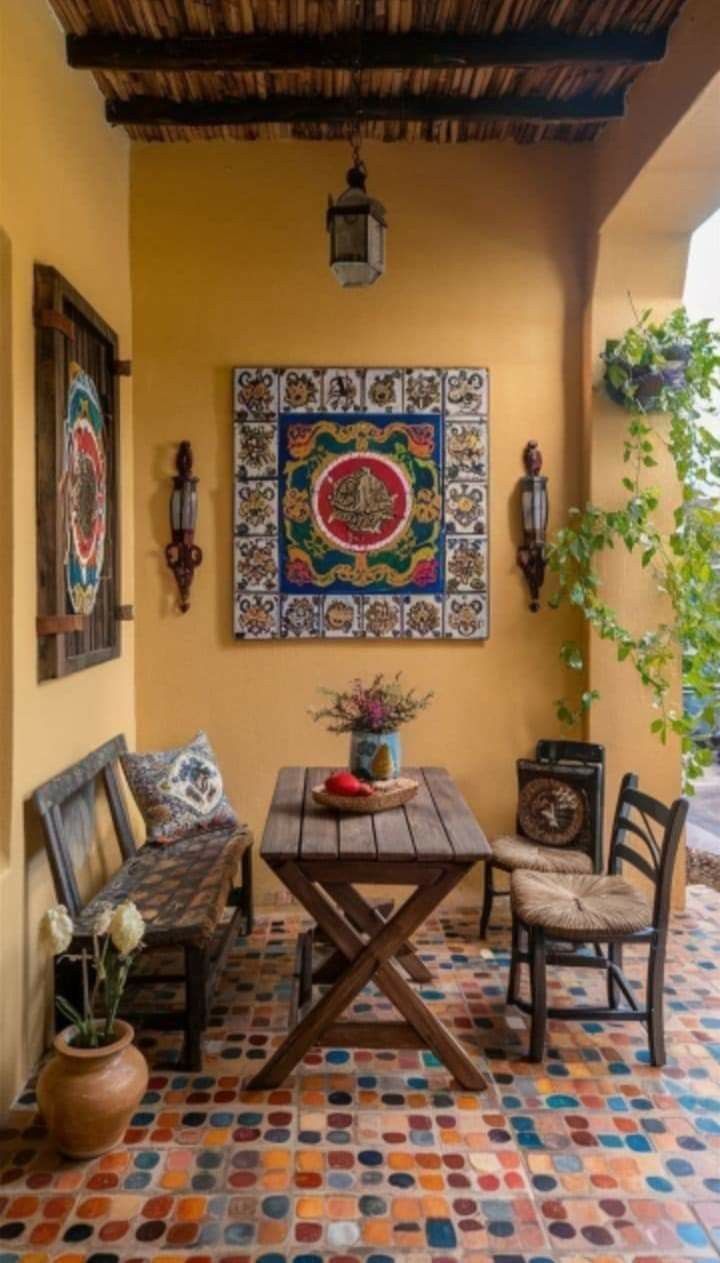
(361, 503)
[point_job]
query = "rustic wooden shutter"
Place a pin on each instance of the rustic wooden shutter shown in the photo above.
(69, 331)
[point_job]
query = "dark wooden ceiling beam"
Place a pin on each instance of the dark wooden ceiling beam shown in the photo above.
(160, 111)
(375, 51)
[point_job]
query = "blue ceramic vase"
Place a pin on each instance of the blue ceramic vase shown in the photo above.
(367, 759)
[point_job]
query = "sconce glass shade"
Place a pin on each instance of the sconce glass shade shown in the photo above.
(184, 505)
(534, 500)
(356, 224)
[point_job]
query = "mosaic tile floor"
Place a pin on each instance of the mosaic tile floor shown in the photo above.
(371, 1156)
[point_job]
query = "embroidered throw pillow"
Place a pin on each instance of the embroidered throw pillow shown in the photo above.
(179, 792)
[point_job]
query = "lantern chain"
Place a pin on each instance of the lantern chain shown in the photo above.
(355, 136)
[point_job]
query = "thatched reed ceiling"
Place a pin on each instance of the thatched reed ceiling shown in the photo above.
(252, 62)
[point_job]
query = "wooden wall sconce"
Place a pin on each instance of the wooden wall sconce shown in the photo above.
(183, 555)
(534, 508)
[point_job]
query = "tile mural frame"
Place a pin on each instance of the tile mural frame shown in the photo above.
(271, 406)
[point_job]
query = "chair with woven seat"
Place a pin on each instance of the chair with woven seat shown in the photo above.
(598, 910)
(559, 817)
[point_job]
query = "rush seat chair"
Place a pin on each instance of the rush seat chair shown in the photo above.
(601, 911)
(559, 817)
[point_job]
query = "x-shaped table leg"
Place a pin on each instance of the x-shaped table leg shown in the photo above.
(373, 959)
(368, 919)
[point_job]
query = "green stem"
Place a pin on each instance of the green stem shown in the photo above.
(90, 1032)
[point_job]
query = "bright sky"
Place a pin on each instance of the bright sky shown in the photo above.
(702, 283)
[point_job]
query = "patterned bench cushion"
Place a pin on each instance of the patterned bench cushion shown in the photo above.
(180, 890)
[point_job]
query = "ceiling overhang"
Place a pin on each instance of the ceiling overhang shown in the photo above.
(174, 69)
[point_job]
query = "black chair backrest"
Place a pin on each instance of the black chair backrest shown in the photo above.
(581, 766)
(69, 797)
(551, 751)
(659, 829)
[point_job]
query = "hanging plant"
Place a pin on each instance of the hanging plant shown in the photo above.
(647, 361)
(669, 368)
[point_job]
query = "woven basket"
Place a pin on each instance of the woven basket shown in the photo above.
(388, 794)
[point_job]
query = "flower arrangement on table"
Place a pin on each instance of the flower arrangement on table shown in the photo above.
(372, 714)
(382, 706)
(117, 935)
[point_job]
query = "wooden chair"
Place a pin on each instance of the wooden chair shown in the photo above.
(595, 910)
(559, 817)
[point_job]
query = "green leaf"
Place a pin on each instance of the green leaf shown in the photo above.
(571, 654)
(69, 1011)
(682, 569)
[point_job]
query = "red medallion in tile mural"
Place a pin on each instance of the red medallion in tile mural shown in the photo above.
(361, 503)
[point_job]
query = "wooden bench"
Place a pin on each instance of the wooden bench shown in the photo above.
(181, 890)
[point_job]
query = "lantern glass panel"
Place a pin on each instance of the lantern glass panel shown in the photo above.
(356, 238)
(183, 507)
(376, 245)
(349, 237)
(534, 509)
(176, 509)
(189, 506)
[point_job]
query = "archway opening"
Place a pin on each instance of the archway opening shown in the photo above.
(702, 299)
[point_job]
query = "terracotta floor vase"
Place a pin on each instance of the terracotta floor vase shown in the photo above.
(87, 1096)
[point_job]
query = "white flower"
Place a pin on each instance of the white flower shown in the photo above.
(103, 918)
(126, 928)
(57, 929)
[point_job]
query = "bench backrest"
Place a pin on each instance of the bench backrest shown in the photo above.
(64, 797)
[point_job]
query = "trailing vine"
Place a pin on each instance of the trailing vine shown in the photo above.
(665, 376)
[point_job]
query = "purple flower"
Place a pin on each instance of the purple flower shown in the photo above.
(381, 706)
(375, 713)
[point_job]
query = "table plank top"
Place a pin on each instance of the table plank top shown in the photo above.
(436, 825)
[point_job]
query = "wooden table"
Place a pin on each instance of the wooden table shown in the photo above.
(322, 856)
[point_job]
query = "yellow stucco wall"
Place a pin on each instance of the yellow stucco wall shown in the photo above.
(229, 267)
(64, 190)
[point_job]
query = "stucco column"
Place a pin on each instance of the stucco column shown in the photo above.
(652, 268)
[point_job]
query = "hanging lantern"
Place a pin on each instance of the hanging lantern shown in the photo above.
(356, 224)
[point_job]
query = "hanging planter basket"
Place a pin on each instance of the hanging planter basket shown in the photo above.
(640, 386)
